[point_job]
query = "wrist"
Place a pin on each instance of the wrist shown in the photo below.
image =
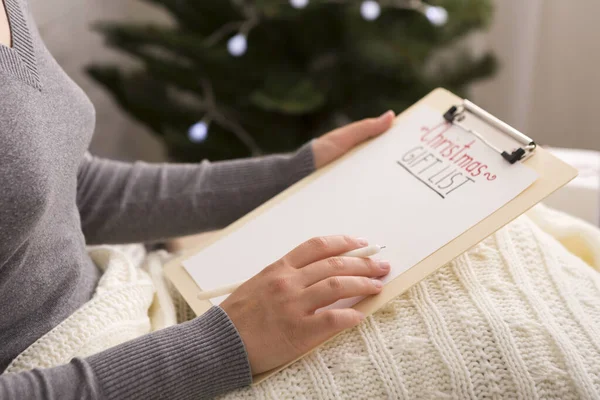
(201, 358)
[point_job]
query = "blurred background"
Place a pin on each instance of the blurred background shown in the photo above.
(532, 63)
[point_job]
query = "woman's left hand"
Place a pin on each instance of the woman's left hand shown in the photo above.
(339, 141)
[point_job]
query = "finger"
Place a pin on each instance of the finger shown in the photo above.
(343, 266)
(336, 143)
(335, 288)
(326, 324)
(357, 132)
(321, 247)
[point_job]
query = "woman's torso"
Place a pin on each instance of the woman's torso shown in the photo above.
(46, 123)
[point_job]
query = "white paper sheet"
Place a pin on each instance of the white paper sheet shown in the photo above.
(413, 189)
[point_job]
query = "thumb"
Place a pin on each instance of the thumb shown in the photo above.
(370, 127)
(334, 144)
(359, 131)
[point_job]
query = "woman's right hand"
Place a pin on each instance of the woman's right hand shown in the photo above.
(274, 312)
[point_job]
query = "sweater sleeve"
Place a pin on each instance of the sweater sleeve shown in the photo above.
(124, 203)
(196, 360)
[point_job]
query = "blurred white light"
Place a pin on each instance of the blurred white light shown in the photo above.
(299, 3)
(370, 10)
(198, 132)
(237, 45)
(436, 15)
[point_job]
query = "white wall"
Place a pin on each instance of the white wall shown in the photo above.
(547, 87)
(549, 83)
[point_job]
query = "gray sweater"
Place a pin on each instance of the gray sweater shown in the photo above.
(55, 198)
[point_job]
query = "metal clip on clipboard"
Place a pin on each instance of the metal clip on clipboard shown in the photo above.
(457, 113)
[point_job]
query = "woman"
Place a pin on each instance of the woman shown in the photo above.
(55, 197)
(518, 316)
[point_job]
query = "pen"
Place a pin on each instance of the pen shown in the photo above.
(363, 252)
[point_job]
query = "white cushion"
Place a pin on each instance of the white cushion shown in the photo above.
(581, 197)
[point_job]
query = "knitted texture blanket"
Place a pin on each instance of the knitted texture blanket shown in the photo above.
(517, 316)
(132, 298)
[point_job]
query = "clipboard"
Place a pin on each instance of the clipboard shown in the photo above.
(552, 175)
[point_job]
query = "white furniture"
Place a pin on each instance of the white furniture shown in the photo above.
(581, 197)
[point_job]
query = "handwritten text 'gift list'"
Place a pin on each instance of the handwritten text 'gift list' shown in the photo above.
(443, 163)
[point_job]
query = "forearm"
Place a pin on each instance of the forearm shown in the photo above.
(73, 381)
(196, 360)
(123, 203)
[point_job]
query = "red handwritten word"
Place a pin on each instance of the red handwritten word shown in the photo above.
(455, 152)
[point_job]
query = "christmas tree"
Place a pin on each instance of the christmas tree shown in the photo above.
(235, 78)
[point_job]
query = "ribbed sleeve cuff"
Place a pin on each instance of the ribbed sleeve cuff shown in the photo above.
(195, 360)
(303, 164)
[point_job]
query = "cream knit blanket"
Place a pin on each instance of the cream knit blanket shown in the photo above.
(132, 298)
(516, 317)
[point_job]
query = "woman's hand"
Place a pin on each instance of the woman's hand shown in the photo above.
(337, 142)
(274, 312)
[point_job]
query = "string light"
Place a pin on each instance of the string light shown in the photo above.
(370, 10)
(237, 45)
(199, 131)
(299, 4)
(437, 15)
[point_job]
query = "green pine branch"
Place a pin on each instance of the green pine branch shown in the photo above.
(304, 70)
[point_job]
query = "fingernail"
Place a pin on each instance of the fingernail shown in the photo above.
(385, 114)
(362, 241)
(361, 316)
(377, 283)
(384, 265)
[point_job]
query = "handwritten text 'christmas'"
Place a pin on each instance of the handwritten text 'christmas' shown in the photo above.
(443, 163)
